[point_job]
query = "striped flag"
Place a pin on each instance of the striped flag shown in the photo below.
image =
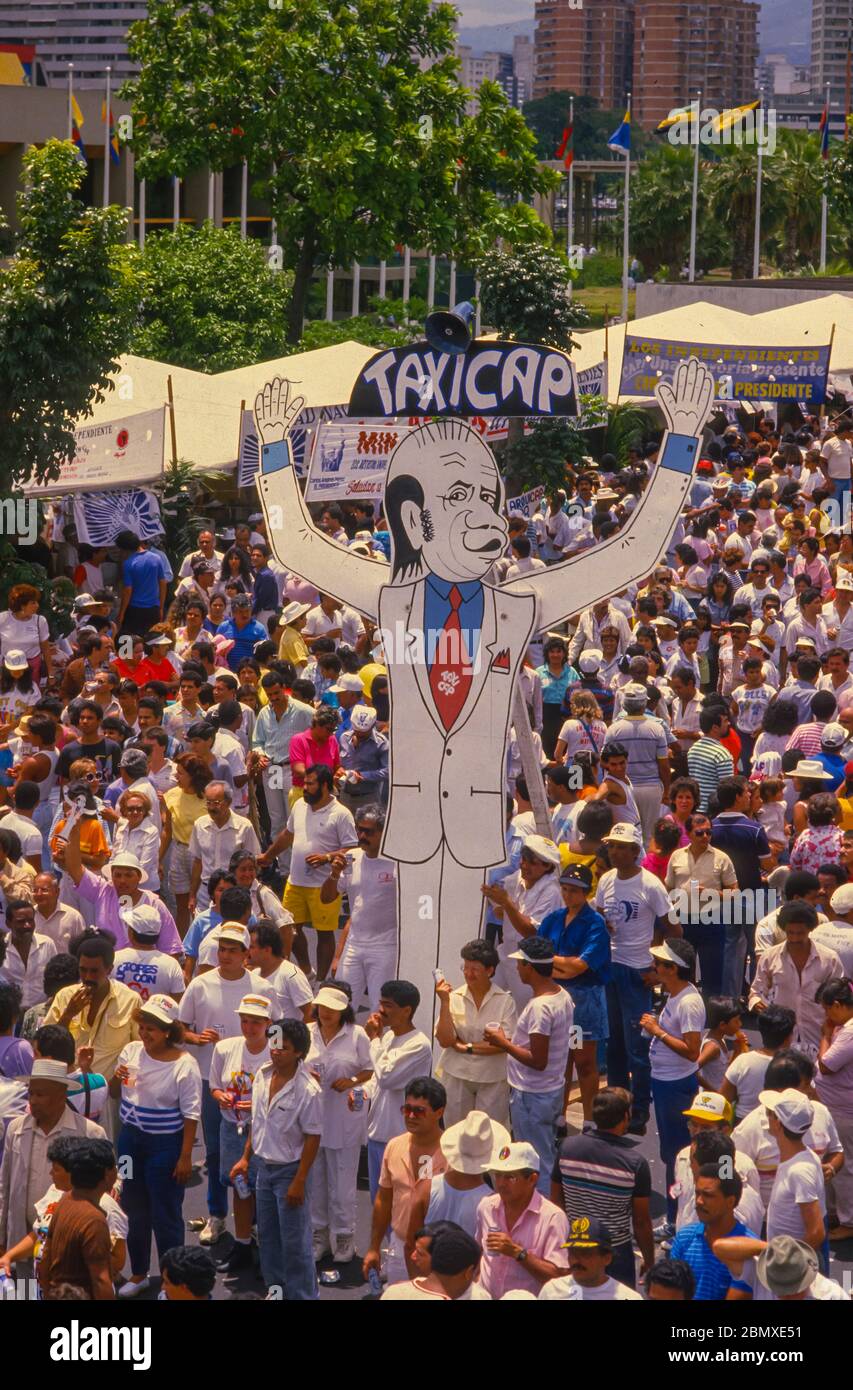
(824, 132)
(620, 140)
(566, 147)
(115, 156)
(76, 123)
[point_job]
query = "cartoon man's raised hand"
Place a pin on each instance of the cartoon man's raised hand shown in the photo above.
(275, 412)
(687, 402)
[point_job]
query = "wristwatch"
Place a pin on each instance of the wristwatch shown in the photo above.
(521, 1256)
(469, 1048)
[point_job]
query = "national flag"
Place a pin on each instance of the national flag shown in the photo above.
(733, 115)
(76, 123)
(114, 145)
(620, 140)
(679, 113)
(566, 147)
(824, 132)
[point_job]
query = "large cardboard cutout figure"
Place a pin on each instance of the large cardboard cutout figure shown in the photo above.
(454, 642)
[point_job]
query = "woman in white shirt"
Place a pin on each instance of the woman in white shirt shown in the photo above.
(674, 1052)
(339, 1061)
(159, 1086)
(137, 834)
(23, 629)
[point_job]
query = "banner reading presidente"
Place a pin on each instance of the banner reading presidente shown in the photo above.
(756, 374)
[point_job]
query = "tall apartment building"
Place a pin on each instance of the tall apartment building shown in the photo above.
(584, 48)
(522, 66)
(685, 46)
(832, 24)
(663, 51)
(91, 34)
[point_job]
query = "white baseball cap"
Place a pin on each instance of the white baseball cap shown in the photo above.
(664, 952)
(590, 660)
(235, 931)
(362, 718)
(842, 898)
(15, 660)
(162, 1007)
(255, 1005)
(792, 1109)
(143, 919)
(543, 848)
(513, 1157)
(834, 735)
(349, 683)
(622, 834)
(844, 581)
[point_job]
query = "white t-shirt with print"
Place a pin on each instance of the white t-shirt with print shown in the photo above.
(232, 1069)
(611, 1291)
(630, 907)
(799, 1179)
(148, 972)
(211, 1002)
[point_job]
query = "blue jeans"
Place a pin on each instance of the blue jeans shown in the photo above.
(533, 1115)
(152, 1199)
(707, 940)
(627, 1046)
(739, 938)
(670, 1099)
(211, 1115)
(284, 1233)
(375, 1150)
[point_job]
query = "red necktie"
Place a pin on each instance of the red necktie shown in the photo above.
(450, 673)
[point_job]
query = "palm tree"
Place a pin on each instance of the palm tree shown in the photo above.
(732, 180)
(661, 194)
(799, 175)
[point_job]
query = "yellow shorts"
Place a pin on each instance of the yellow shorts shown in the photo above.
(305, 907)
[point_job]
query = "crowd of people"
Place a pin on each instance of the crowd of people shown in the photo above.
(199, 931)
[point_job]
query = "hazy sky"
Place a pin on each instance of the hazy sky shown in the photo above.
(493, 11)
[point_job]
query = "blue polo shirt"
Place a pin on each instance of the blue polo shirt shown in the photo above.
(244, 639)
(141, 573)
(713, 1278)
(586, 937)
(744, 841)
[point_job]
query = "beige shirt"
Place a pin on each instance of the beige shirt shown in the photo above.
(63, 923)
(777, 981)
(713, 869)
(497, 1007)
(114, 1025)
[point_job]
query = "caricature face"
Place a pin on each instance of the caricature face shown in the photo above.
(460, 530)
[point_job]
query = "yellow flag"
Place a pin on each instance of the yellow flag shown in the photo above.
(76, 112)
(681, 113)
(729, 118)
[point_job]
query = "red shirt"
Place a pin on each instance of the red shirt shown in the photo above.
(305, 749)
(149, 670)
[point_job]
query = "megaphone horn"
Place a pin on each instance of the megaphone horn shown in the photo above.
(449, 330)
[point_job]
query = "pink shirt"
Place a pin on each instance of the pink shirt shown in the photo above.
(835, 1088)
(305, 749)
(542, 1228)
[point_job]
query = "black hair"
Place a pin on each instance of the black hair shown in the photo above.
(26, 796)
(667, 834)
(62, 969)
(799, 911)
(88, 1161)
(324, 775)
(294, 1031)
(190, 1266)
(216, 878)
(267, 934)
(610, 1106)
(346, 1015)
(800, 882)
(10, 1005)
(235, 903)
(595, 820)
(782, 1072)
(56, 1042)
(672, 1274)
(481, 951)
(836, 992)
(402, 993)
(686, 954)
(453, 1250)
(721, 1009)
(709, 717)
(775, 1025)
(805, 1066)
(96, 946)
(730, 1186)
(428, 1089)
(11, 843)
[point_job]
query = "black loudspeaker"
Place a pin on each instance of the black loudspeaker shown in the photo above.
(449, 330)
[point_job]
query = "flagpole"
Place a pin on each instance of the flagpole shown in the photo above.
(107, 147)
(694, 212)
(70, 113)
(626, 221)
(823, 202)
(176, 203)
(244, 202)
(756, 245)
(570, 209)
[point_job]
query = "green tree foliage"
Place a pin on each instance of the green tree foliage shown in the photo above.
(390, 324)
(525, 296)
(661, 200)
(547, 117)
(356, 145)
(839, 186)
(540, 457)
(208, 300)
(66, 308)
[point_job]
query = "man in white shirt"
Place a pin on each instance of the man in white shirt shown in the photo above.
(331, 618)
(209, 1011)
(837, 453)
(205, 546)
(636, 908)
(141, 966)
(797, 1204)
(588, 631)
(590, 1250)
(366, 955)
(292, 996)
(27, 951)
(214, 839)
(399, 1053)
(25, 799)
(53, 918)
(318, 828)
(522, 560)
(521, 902)
(792, 974)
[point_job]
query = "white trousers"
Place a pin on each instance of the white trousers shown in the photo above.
(276, 799)
(465, 1096)
(648, 799)
(333, 1190)
(366, 969)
